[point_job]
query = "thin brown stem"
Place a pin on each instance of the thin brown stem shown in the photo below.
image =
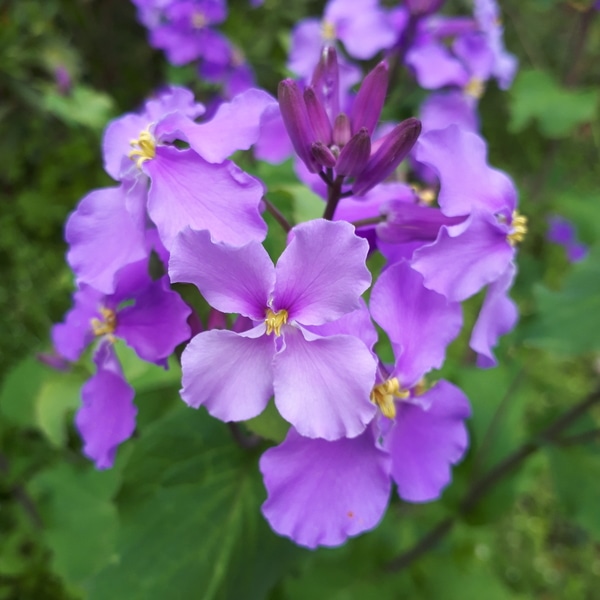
(277, 214)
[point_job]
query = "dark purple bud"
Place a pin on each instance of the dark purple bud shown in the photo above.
(323, 155)
(341, 130)
(423, 8)
(295, 118)
(317, 116)
(355, 154)
(370, 98)
(407, 222)
(391, 152)
(326, 81)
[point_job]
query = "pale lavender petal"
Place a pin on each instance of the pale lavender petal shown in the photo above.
(465, 257)
(156, 324)
(320, 493)
(419, 322)
(104, 236)
(497, 316)
(434, 65)
(451, 153)
(473, 50)
(322, 385)
(107, 416)
(305, 47)
(228, 373)
(322, 273)
(234, 127)
(357, 323)
(274, 144)
(187, 190)
(116, 143)
(75, 334)
(424, 444)
(442, 109)
(233, 280)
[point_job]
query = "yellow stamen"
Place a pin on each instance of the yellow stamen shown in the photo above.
(106, 325)
(274, 321)
(198, 20)
(475, 88)
(328, 31)
(519, 229)
(144, 148)
(421, 387)
(383, 396)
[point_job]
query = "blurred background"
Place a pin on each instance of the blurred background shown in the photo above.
(66, 68)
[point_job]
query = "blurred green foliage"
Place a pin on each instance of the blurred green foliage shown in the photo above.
(178, 516)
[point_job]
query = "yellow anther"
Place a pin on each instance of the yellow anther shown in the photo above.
(421, 387)
(198, 20)
(475, 88)
(274, 321)
(384, 394)
(106, 325)
(519, 229)
(328, 31)
(144, 148)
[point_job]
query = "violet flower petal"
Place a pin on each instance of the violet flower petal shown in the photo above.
(107, 416)
(232, 279)
(320, 493)
(322, 273)
(229, 373)
(322, 385)
(424, 444)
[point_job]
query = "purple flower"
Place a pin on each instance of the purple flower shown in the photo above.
(325, 139)
(318, 278)
(150, 318)
(562, 231)
(320, 492)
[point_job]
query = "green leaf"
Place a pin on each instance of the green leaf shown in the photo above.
(558, 111)
(307, 205)
(84, 106)
(80, 520)
(191, 522)
(59, 396)
(269, 424)
(568, 321)
(19, 390)
(576, 471)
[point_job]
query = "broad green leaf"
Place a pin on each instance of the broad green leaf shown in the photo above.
(19, 390)
(269, 424)
(576, 472)
(84, 106)
(568, 321)
(58, 396)
(80, 519)
(558, 111)
(191, 522)
(307, 205)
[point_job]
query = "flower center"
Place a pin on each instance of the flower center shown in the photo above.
(384, 394)
(475, 88)
(328, 31)
(106, 325)
(198, 20)
(519, 229)
(144, 148)
(274, 321)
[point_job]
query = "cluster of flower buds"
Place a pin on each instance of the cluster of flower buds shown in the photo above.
(302, 334)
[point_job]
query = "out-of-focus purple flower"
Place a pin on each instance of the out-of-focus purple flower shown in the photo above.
(150, 318)
(318, 278)
(562, 231)
(63, 80)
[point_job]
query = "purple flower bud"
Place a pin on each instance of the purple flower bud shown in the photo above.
(323, 155)
(317, 116)
(295, 118)
(355, 154)
(326, 81)
(341, 130)
(392, 151)
(423, 8)
(370, 98)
